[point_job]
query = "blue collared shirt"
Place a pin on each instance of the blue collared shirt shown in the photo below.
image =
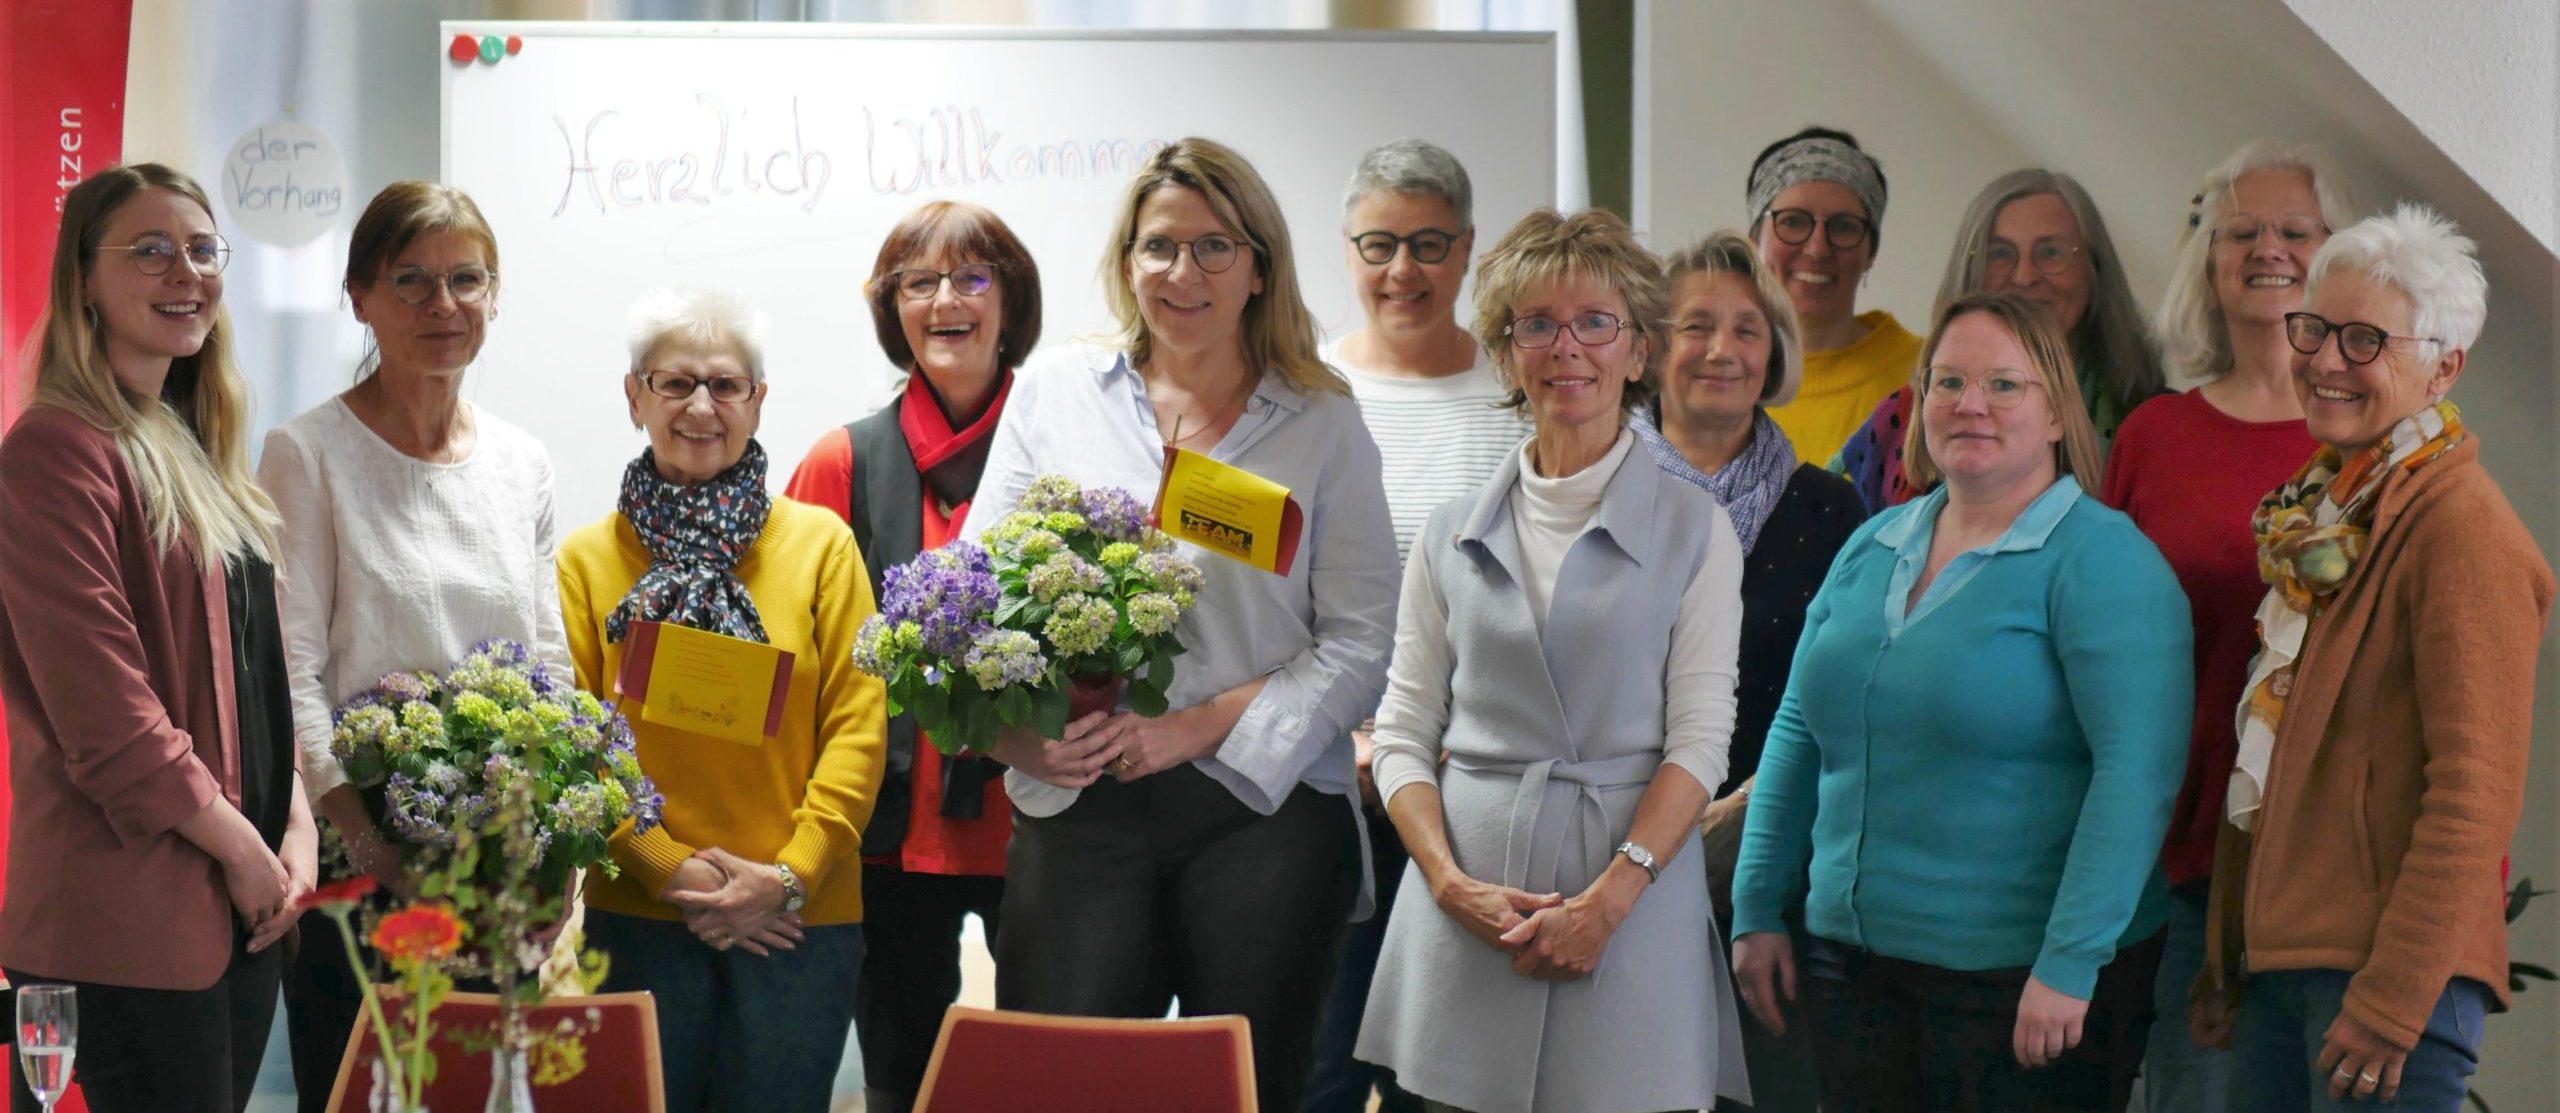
(1321, 633)
(1910, 534)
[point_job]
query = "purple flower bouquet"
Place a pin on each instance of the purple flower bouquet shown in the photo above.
(1072, 588)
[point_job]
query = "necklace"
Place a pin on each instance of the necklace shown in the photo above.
(1219, 417)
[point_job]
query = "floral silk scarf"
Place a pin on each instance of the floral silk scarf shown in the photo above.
(695, 534)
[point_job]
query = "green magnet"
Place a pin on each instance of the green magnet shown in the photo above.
(492, 48)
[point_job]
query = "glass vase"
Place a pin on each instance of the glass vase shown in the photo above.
(510, 1089)
(385, 1095)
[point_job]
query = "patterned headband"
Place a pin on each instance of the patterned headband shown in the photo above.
(1816, 159)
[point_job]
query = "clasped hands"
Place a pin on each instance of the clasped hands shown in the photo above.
(729, 901)
(1549, 936)
(1124, 745)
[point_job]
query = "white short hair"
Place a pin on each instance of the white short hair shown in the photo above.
(2192, 336)
(2417, 251)
(699, 315)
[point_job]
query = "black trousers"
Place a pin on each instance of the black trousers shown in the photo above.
(911, 972)
(1171, 888)
(1340, 1082)
(321, 1001)
(166, 1050)
(1892, 1036)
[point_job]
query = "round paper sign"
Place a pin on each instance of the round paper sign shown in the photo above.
(284, 183)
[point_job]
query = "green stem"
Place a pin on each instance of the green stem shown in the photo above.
(372, 1004)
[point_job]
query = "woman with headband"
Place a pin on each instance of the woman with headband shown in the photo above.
(1817, 207)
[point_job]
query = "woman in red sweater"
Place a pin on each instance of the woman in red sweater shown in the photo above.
(2189, 469)
(955, 299)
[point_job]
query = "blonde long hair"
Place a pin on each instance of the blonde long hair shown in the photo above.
(1279, 332)
(2049, 356)
(188, 449)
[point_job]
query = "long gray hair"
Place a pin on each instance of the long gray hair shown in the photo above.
(2193, 337)
(2111, 336)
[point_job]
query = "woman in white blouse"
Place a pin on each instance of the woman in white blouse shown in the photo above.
(415, 526)
(1552, 729)
(1212, 854)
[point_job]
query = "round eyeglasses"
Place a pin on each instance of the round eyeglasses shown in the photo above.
(155, 253)
(2001, 390)
(2050, 258)
(1843, 231)
(968, 280)
(1429, 245)
(1212, 253)
(2359, 342)
(467, 283)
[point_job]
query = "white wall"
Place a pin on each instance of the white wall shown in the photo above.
(2138, 101)
(2480, 77)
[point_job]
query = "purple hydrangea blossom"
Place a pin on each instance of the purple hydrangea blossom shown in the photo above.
(948, 593)
(1114, 514)
(1051, 493)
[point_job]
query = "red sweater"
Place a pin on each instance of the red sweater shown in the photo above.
(2190, 476)
(934, 844)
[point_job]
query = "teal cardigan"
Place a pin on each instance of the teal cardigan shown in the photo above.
(1982, 782)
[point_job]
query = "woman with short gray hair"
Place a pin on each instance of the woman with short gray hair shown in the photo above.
(1430, 399)
(742, 910)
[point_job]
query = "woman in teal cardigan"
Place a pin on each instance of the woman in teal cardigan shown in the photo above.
(1982, 736)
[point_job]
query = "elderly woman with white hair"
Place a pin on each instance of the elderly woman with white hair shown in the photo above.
(741, 912)
(2383, 736)
(2188, 468)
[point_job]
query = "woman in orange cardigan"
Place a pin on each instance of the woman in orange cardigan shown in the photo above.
(159, 836)
(2384, 729)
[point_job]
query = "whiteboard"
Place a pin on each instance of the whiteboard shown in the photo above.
(615, 158)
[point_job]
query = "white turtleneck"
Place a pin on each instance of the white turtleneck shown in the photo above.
(1549, 513)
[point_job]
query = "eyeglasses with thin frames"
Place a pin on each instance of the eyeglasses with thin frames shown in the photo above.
(2358, 342)
(2050, 258)
(968, 280)
(2244, 229)
(1590, 330)
(1429, 245)
(468, 284)
(1212, 253)
(2001, 390)
(726, 390)
(155, 253)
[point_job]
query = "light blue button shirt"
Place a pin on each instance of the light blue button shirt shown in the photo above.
(1909, 537)
(1321, 633)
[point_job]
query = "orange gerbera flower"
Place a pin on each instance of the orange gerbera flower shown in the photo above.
(421, 933)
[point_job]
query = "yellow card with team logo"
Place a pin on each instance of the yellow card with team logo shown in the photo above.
(1228, 510)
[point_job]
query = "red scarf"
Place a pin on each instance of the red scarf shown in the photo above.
(949, 460)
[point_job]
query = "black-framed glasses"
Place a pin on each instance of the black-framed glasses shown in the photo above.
(2001, 390)
(1212, 253)
(2050, 258)
(2359, 342)
(1843, 231)
(467, 283)
(1429, 245)
(727, 390)
(155, 253)
(1590, 330)
(968, 280)
(2295, 231)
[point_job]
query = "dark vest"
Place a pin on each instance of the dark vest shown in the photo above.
(887, 514)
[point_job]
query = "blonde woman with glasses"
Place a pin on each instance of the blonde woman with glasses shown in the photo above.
(1213, 853)
(158, 837)
(416, 525)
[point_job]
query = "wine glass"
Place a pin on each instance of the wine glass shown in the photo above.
(48, 1030)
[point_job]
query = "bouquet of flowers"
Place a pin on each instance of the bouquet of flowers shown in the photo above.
(434, 753)
(1073, 591)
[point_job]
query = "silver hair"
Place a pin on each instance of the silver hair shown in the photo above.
(1725, 251)
(1413, 166)
(2194, 341)
(699, 315)
(2111, 336)
(2415, 250)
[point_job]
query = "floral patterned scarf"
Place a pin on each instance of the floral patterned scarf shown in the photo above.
(695, 534)
(2311, 531)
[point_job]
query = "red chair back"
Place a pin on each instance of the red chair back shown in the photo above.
(622, 1073)
(994, 1061)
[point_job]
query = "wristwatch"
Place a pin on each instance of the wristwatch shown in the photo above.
(793, 896)
(1643, 859)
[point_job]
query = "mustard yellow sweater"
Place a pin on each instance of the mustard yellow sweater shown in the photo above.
(802, 797)
(1843, 385)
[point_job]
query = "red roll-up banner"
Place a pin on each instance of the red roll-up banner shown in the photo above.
(62, 116)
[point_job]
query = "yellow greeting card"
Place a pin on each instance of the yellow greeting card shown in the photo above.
(725, 687)
(1228, 510)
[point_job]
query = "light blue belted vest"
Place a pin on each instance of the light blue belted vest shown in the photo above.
(1553, 737)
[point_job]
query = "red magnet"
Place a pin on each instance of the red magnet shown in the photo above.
(515, 44)
(464, 48)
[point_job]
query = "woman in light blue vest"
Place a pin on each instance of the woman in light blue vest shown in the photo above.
(1980, 741)
(1559, 706)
